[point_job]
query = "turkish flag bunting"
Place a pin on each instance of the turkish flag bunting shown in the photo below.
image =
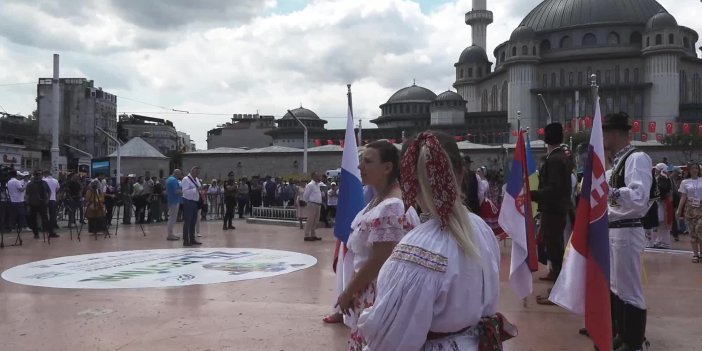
(541, 131)
(514, 133)
(457, 138)
(659, 138)
(686, 128)
(588, 122)
(330, 142)
(669, 128)
(317, 142)
(644, 137)
(651, 127)
(636, 126)
(581, 123)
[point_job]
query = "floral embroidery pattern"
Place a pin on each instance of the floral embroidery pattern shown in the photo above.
(438, 168)
(360, 302)
(420, 256)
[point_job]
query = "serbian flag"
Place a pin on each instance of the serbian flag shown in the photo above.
(350, 188)
(583, 285)
(517, 220)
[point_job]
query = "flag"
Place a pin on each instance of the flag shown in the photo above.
(517, 221)
(531, 172)
(651, 127)
(350, 188)
(583, 285)
(669, 128)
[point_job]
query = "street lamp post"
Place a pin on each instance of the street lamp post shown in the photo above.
(119, 158)
(304, 153)
(548, 112)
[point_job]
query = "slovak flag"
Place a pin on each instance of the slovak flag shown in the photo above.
(583, 285)
(350, 188)
(517, 220)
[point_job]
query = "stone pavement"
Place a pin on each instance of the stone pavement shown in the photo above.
(282, 312)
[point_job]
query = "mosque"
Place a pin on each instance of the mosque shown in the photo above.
(643, 61)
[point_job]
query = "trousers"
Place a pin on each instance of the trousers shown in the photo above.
(172, 217)
(189, 220)
(625, 248)
(552, 227)
(313, 211)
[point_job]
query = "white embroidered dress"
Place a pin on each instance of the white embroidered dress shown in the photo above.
(386, 222)
(429, 284)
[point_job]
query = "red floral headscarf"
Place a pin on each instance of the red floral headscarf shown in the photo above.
(438, 168)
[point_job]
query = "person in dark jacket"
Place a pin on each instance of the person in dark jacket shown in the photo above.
(470, 186)
(38, 194)
(554, 200)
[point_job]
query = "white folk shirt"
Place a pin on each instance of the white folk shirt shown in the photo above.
(16, 189)
(332, 199)
(312, 193)
(53, 185)
(632, 200)
(692, 188)
(483, 187)
(191, 187)
(430, 284)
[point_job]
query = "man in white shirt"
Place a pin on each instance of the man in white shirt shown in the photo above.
(483, 185)
(332, 201)
(16, 189)
(54, 187)
(313, 197)
(190, 186)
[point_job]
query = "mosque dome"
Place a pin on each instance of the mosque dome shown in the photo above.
(661, 20)
(473, 54)
(553, 15)
(412, 93)
(449, 95)
(523, 33)
(301, 113)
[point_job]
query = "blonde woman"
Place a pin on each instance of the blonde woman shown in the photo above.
(691, 202)
(440, 287)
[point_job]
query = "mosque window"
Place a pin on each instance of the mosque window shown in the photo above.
(544, 81)
(659, 39)
(648, 41)
(571, 79)
(553, 80)
(525, 50)
(671, 38)
(470, 72)
(533, 50)
(613, 38)
(502, 57)
(566, 42)
(635, 38)
(616, 74)
(545, 46)
(608, 77)
(589, 39)
(580, 78)
(636, 75)
(514, 51)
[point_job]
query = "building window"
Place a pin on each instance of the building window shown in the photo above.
(561, 78)
(533, 49)
(636, 75)
(608, 77)
(613, 38)
(599, 77)
(544, 81)
(648, 41)
(659, 39)
(502, 57)
(525, 50)
(580, 78)
(514, 51)
(671, 38)
(626, 75)
(589, 39)
(571, 79)
(470, 72)
(566, 42)
(553, 80)
(635, 38)
(460, 76)
(545, 46)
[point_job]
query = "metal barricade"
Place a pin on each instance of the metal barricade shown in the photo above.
(279, 213)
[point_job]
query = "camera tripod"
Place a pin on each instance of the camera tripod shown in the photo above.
(18, 240)
(135, 219)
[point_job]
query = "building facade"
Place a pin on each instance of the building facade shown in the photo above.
(82, 108)
(184, 142)
(643, 61)
(244, 130)
(159, 133)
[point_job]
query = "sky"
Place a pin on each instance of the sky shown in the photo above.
(216, 58)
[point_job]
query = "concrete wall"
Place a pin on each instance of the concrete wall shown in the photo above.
(141, 166)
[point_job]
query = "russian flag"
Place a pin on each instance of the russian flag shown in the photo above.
(350, 188)
(583, 285)
(517, 220)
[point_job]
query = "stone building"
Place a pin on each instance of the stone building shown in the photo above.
(645, 64)
(140, 158)
(158, 132)
(82, 108)
(245, 130)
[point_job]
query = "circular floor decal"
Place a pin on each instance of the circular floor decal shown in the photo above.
(157, 268)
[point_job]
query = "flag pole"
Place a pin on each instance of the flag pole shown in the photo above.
(595, 91)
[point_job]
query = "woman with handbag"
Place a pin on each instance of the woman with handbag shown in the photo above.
(95, 209)
(440, 288)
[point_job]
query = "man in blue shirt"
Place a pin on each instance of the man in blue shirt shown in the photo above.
(174, 196)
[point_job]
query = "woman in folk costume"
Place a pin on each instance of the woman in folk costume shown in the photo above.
(95, 209)
(375, 232)
(439, 289)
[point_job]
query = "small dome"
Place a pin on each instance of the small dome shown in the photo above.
(661, 20)
(412, 93)
(522, 33)
(301, 113)
(473, 54)
(449, 95)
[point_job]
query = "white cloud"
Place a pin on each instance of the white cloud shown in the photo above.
(241, 57)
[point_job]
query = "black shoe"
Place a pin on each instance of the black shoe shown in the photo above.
(309, 238)
(195, 242)
(316, 238)
(54, 235)
(225, 227)
(187, 244)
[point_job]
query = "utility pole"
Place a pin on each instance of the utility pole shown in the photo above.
(55, 118)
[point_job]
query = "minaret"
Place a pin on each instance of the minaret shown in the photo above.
(479, 18)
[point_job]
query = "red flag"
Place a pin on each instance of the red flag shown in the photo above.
(686, 128)
(317, 142)
(588, 122)
(644, 137)
(457, 138)
(651, 127)
(636, 126)
(669, 127)
(330, 142)
(541, 131)
(341, 142)
(659, 138)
